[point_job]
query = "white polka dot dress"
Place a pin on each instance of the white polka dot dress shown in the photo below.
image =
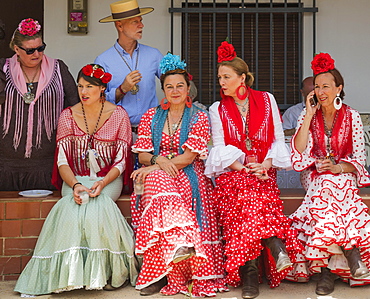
(164, 219)
(332, 214)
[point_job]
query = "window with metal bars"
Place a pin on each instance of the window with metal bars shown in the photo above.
(268, 36)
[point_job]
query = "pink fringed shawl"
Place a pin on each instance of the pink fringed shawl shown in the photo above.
(48, 102)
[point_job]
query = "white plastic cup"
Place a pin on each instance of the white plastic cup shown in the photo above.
(318, 163)
(85, 197)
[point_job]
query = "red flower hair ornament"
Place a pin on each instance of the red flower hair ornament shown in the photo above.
(225, 52)
(97, 72)
(322, 63)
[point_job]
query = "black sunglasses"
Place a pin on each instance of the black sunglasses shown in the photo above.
(31, 51)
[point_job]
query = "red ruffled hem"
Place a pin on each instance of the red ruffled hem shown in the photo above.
(250, 210)
(198, 288)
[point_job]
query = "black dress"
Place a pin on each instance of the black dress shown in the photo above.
(17, 172)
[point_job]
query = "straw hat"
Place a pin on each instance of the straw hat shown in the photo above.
(125, 9)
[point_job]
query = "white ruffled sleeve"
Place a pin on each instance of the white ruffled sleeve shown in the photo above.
(279, 151)
(220, 156)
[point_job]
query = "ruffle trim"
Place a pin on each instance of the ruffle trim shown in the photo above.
(242, 198)
(280, 155)
(220, 158)
(327, 220)
(199, 288)
(71, 270)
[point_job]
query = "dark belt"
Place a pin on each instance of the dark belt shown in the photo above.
(134, 130)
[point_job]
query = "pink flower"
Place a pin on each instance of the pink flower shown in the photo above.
(29, 27)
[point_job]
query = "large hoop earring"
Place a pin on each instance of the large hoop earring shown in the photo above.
(165, 105)
(338, 102)
(188, 102)
(241, 96)
(102, 97)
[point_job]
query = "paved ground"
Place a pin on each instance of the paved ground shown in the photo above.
(287, 290)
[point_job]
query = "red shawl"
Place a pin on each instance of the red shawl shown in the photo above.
(341, 141)
(261, 125)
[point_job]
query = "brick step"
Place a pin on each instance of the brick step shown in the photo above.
(21, 220)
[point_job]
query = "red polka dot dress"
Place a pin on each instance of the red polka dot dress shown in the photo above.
(164, 219)
(249, 209)
(332, 214)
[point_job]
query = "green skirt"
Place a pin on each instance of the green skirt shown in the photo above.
(81, 246)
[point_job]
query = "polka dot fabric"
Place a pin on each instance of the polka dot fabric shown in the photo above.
(249, 210)
(332, 214)
(164, 219)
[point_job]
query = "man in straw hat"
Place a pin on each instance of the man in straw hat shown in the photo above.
(132, 65)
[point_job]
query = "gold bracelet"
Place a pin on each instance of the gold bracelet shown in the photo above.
(341, 168)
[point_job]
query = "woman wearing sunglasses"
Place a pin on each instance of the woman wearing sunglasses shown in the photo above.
(34, 89)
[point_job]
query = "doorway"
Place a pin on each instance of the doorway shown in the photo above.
(11, 13)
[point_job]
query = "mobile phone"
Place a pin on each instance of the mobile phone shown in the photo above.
(313, 101)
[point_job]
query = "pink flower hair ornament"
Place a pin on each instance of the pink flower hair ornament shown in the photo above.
(29, 27)
(97, 72)
(225, 52)
(322, 63)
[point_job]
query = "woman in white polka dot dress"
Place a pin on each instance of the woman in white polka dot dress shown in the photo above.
(176, 230)
(85, 241)
(329, 149)
(248, 142)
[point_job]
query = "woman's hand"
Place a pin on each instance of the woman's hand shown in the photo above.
(168, 166)
(259, 170)
(140, 174)
(311, 110)
(327, 165)
(97, 188)
(76, 193)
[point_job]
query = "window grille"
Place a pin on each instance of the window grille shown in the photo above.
(268, 36)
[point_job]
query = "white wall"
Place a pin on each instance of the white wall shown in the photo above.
(342, 30)
(78, 50)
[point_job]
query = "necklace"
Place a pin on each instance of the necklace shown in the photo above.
(328, 133)
(28, 97)
(175, 125)
(243, 105)
(96, 126)
(248, 141)
(172, 135)
(134, 90)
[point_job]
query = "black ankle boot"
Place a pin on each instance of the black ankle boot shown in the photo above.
(325, 284)
(355, 264)
(249, 277)
(279, 253)
(154, 287)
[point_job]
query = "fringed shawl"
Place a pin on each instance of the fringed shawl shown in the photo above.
(189, 119)
(48, 102)
(110, 141)
(341, 140)
(261, 125)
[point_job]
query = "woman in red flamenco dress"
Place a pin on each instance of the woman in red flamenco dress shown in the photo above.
(249, 145)
(174, 220)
